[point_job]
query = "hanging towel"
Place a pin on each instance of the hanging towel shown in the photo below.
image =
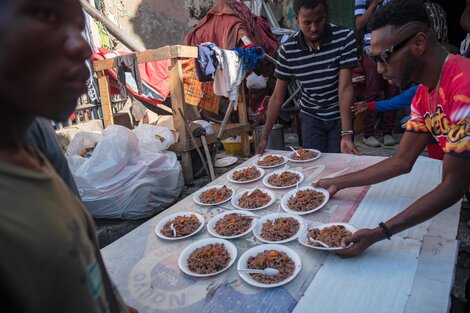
(128, 64)
(229, 76)
(206, 63)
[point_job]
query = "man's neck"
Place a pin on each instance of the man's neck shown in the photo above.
(14, 127)
(432, 67)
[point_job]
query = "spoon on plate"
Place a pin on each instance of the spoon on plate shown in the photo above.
(173, 229)
(295, 151)
(324, 245)
(267, 271)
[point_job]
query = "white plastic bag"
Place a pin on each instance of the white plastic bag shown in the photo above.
(121, 180)
(153, 138)
(256, 81)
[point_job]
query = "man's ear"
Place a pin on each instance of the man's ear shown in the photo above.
(421, 43)
(296, 16)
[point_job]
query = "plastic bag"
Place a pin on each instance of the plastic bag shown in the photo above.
(256, 81)
(122, 179)
(153, 138)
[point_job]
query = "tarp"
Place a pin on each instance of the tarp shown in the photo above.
(154, 75)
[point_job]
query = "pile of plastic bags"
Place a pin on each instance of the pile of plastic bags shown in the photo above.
(126, 174)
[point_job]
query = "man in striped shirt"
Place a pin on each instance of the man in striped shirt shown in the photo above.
(321, 57)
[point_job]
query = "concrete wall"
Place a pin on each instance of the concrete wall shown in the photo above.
(157, 23)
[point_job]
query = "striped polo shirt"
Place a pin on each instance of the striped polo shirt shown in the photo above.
(317, 70)
(360, 7)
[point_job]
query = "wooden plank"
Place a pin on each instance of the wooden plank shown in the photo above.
(103, 86)
(380, 280)
(434, 276)
(187, 168)
(230, 130)
(177, 100)
(163, 53)
(243, 119)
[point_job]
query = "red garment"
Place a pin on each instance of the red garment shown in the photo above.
(446, 115)
(226, 24)
(154, 75)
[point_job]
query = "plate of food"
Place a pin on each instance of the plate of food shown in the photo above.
(213, 195)
(245, 175)
(277, 256)
(270, 161)
(304, 200)
(253, 199)
(207, 257)
(279, 228)
(283, 179)
(304, 155)
(232, 224)
(179, 225)
(331, 234)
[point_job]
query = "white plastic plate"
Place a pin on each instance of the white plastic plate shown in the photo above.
(236, 198)
(230, 175)
(164, 220)
(243, 260)
(304, 240)
(184, 255)
(303, 161)
(200, 191)
(267, 184)
(292, 193)
(264, 219)
(272, 166)
(218, 217)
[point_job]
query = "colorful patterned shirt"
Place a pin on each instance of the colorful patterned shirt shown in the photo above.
(448, 118)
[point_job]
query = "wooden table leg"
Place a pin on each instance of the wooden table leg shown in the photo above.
(187, 168)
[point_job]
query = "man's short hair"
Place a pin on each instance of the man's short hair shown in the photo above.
(309, 4)
(400, 12)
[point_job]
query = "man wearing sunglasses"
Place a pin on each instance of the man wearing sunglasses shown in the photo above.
(406, 50)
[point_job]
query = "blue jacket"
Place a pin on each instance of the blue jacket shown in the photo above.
(397, 102)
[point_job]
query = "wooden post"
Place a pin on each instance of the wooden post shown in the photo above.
(177, 104)
(243, 120)
(103, 85)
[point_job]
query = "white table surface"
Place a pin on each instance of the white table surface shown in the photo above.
(413, 272)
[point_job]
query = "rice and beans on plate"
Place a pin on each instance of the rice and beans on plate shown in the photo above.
(184, 226)
(208, 259)
(283, 179)
(304, 154)
(274, 259)
(305, 200)
(280, 229)
(233, 224)
(271, 160)
(333, 236)
(247, 174)
(215, 195)
(256, 199)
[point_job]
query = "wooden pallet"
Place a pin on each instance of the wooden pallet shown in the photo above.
(184, 146)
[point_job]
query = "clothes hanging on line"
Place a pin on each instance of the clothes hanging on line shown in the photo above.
(127, 64)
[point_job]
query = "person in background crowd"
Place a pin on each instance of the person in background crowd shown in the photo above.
(407, 50)
(465, 24)
(50, 257)
(321, 57)
(375, 84)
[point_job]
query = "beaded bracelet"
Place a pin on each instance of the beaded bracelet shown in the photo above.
(385, 230)
(347, 132)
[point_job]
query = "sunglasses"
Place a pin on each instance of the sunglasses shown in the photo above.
(385, 55)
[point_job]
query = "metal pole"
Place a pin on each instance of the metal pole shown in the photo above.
(120, 35)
